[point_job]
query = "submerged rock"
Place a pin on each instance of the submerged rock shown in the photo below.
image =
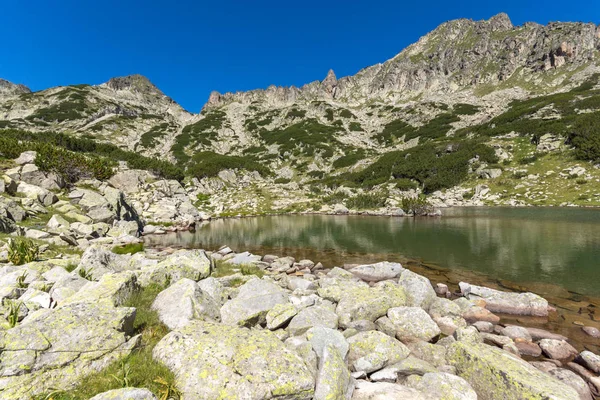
(212, 361)
(378, 272)
(505, 302)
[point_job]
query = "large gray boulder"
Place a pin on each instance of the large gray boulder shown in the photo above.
(253, 302)
(131, 180)
(44, 196)
(333, 379)
(98, 261)
(444, 386)
(374, 350)
(412, 323)
(378, 272)
(506, 302)
(313, 316)
(212, 361)
(191, 264)
(183, 302)
(589, 360)
(125, 394)
(366, 303)
(496, 374)
(385, 391)
(419, 291)
(55, 348)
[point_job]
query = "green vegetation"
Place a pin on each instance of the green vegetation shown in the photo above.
(295, 113)
(349, 159)
(306, 137)
(58, 151)
(22, 251)
(208, 164)
(202, 132)
(355, 127)
(149, 139)
(138, 369)
(130, 248)
(416, 205)
(465, 109)
(430, 165)
(13, 312)
(367, 201)
(224, 268)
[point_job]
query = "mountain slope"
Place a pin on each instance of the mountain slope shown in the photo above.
(468, 98)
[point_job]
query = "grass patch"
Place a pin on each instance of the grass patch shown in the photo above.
(130, 248)
(139, 368)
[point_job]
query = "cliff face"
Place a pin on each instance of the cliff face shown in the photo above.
(457, 55)
(9, 89)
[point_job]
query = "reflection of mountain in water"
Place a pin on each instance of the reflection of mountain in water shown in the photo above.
(524, 245)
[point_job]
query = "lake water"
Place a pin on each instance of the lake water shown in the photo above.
(559, 246)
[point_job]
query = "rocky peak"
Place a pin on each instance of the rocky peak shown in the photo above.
(134, 83)
(12, 89)
(330, 83)
(500, 22)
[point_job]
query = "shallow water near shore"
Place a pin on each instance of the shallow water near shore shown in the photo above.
(554, 252)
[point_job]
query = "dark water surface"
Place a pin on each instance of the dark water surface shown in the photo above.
(559, 246)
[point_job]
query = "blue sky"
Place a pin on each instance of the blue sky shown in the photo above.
(188, 48)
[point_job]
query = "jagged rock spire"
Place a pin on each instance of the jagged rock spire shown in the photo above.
(330, 83)
(500, 22)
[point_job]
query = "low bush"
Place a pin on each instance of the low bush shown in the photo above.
(416, 205)
(367, 201)
(208, 164)
(22, 251)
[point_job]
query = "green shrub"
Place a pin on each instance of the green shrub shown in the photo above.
(130, 248)
(295, 113)
(22, 251)
(209, 164)
(303, 138)
(416, 205)
(585, 137)
(528, 159)
(405, 184)
(283, 180)
(581, 181)
(465, 109)
(367, 201)
(335, 198)
(349, 159)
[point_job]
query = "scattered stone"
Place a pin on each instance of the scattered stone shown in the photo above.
(280, 315)
(419, 290)
(313, 316)
(373, 350)
(378, 272)
(444, 386)
(333, 379)
(589, 360)
(557, 349)
(369, 303)
(254, 300)
(320, 337)
(592, 331)
(505, 302)
(413, 323)
(383, 390)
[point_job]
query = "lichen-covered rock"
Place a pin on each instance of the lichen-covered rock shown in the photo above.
(506, 302)
(369, 303)
(321, 337)
(254, 300)
(313, 316)
(385, 391)
(333, 379)
(419, 291)
(496, 374)
(125, 394)
(572, 379)
(98, 261)
(191, 264)
(589, 360)
(413, 323)
(434, 354)
(378, 272)
(214, 288)
(280, 315)
(444, 386)
(113, 288)
(56, 347)
(373, 350)
(185, 301)
(212, 361)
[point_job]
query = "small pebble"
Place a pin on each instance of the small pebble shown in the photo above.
(590, 330)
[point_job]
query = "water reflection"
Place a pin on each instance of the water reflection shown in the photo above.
(552, 245)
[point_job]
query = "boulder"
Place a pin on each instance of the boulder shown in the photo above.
(444, 386)
(589, 360)
(131, 180)
(419, 291)
(115, 289)
(575, 381)
(55, 348)
(280, 315)
(505, 302)
(377, 272)
(333, 378)
(58, 222)
(183, 302)
(213, 361)
(26, 157)
(44, 196)
(191, 264)
(412, 323)
(313, 316)
(126, 394)
(369, 303)
(321, 337)
(364, 390)
(254, 300)
(98, 261)
(373, 350)
(496, 374)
